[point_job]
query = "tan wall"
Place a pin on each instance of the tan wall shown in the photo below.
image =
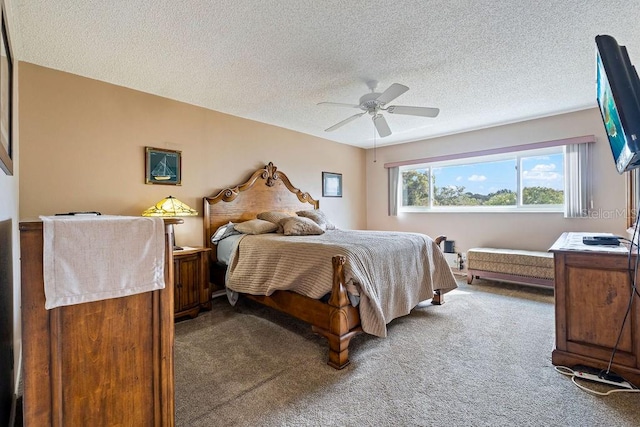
(82, 149)
(508, 230)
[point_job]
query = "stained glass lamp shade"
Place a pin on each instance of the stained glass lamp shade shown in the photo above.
(169, 207)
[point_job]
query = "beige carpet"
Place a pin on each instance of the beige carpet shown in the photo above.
(482, 359)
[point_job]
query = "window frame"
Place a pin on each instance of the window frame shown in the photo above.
(471, 160)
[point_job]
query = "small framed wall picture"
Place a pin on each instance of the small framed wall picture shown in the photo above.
(162, 166)
(331, 184)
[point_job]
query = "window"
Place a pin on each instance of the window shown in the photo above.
(530, 180)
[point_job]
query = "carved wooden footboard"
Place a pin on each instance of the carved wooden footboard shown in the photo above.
(337, 320)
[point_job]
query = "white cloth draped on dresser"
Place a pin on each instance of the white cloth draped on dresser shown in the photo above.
(91, 258)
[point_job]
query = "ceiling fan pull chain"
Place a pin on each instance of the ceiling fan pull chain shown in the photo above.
(374, 145)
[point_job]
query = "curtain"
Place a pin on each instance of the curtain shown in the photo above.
(577, 184)
(394, 176)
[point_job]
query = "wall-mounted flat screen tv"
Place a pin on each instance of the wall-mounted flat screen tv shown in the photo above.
(618, 88)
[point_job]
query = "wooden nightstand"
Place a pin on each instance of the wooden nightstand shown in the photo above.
(192, 291)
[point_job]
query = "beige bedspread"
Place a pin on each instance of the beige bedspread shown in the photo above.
(391, 271)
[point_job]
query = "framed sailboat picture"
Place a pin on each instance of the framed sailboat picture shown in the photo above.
(162, 166)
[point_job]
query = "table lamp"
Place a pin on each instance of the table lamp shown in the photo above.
(170, 207)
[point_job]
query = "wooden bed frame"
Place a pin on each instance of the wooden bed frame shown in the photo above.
(270, 190)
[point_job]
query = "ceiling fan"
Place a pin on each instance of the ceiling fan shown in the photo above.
(375, 103)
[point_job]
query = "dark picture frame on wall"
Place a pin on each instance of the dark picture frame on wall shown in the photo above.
(331, 184)
(6, 98)
(162, 166)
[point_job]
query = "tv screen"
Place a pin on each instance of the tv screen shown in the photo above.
(618, 88)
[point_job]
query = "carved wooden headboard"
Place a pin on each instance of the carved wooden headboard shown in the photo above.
(266, 190)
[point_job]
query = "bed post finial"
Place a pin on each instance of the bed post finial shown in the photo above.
(270, 174)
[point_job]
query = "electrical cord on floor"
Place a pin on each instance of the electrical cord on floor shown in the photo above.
(571, 373)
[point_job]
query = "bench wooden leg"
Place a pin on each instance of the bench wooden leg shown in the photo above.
(469, 278)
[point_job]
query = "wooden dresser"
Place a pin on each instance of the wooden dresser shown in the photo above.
(101, 363)
(592, 290)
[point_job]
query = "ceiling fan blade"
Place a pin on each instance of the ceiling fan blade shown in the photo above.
(392, 92)
(413, 111)
(344, 122)
(339, 104)
(381, 125)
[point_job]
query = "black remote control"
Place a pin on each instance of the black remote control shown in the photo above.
(601, 240)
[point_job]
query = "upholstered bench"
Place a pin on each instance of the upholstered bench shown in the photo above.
(530, 267)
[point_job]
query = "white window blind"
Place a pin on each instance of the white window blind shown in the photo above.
(577, 183)
(394, 174)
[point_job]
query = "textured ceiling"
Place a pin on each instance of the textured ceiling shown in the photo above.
(482, 62)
